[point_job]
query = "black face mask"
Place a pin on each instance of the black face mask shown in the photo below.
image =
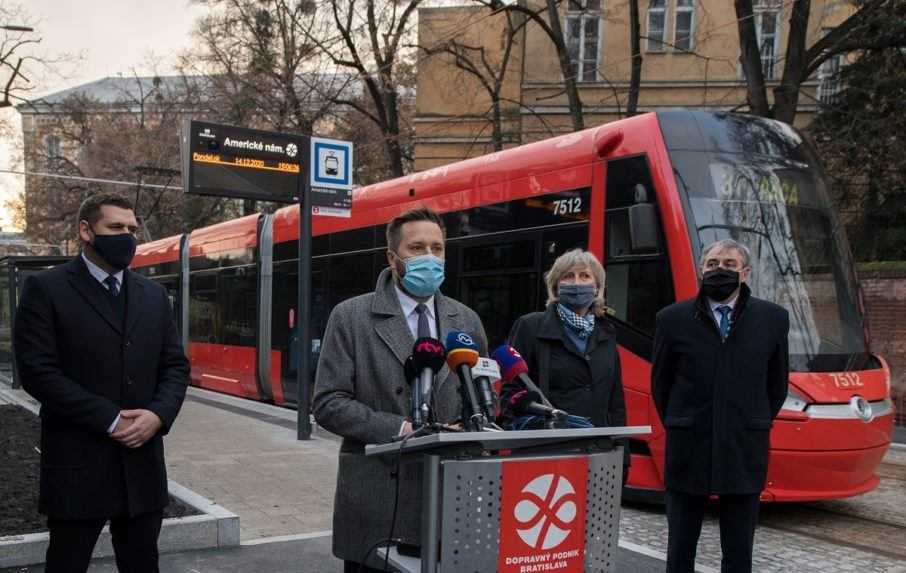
(117, 250)
(719, 284)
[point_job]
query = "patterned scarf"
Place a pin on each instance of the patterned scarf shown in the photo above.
(583, 326)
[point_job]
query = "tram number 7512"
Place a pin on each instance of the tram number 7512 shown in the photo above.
(568, 206)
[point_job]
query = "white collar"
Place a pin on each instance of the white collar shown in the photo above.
(408, 304)
(99, 273)
(715, 305)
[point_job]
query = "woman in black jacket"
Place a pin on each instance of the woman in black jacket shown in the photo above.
(570, 348)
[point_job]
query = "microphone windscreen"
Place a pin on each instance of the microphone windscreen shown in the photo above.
(520, 401)
(461, 349)
(511, 362)
(428, 353)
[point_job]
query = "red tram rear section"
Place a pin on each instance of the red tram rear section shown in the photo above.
(645, 194)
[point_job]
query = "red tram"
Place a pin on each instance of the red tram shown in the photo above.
(644, 194)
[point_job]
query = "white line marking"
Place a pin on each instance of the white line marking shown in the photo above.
(654, 553)
(281, 538)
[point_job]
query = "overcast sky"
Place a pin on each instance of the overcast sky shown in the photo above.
(111, 36)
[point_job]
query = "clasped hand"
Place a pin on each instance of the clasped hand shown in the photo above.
(136, 427)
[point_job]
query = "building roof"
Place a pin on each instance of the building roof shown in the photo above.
(128, 90)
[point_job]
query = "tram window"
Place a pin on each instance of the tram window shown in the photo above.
(350, 275)
(204, 313)
(499, 299)
(6, 356)
(499, 256)
(638, 286)
(354, 240)
(238, 305)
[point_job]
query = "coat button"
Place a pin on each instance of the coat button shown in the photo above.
(128, 343)
(588, 357)
(399, 389)
(128, 381)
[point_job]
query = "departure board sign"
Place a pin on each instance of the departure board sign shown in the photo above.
(228, 161)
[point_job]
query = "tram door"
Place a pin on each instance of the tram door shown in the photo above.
(502, 278)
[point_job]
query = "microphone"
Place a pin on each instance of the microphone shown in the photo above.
(513, 366)
(427, 359)
(462, 355)
(415, 406)
(527, 402)
(485, 373)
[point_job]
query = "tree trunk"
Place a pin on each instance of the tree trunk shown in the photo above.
(569, 81)
(497, 128)
(392, 132)
(786, 95)
(635, 78)
(750, 58)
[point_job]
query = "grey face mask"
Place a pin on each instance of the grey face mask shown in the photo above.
(577, 296)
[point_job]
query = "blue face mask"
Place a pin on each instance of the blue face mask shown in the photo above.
(423, 275)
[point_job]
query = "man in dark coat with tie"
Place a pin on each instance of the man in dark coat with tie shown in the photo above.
(96, 345)
(719, 377)
(361, 390)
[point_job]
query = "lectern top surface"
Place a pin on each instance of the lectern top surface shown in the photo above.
(505, 440)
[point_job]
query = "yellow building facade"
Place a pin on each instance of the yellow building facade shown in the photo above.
(690, 58)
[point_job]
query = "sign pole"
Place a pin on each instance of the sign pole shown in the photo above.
(303, 314)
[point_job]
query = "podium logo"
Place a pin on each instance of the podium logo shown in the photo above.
(545, 511)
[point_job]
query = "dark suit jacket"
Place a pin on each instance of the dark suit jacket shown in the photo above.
(84, 365)
(585, 384)
(717, 399)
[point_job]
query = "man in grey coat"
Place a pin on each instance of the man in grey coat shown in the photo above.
(361, 391)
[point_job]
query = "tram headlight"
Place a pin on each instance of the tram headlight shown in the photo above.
(795, 400)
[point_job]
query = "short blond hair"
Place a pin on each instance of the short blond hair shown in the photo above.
(568, 260)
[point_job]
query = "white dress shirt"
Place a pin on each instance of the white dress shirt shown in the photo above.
(100, 274)
(408, 304)
(716, 313)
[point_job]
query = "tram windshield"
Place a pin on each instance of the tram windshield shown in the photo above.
(773, 197)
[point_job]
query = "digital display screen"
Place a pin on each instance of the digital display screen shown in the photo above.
(229, 161)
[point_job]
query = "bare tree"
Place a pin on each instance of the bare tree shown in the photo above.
(17, 44)
(553, 29)
(371, 38)
(261, 63)
(488, 70)
(135, 138)
(802, 61)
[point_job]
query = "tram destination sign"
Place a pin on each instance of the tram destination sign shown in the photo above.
(243, 163)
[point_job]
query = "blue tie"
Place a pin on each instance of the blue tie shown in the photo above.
(424, 328)
(113, 287)
(724, 320)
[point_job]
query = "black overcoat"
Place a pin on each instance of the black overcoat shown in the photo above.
(584, 384)
(84, 365)
(717, 400)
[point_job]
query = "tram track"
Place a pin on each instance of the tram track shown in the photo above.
(875, 522)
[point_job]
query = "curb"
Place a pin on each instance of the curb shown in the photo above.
(215, 527)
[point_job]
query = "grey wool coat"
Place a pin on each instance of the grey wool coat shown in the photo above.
(361, 394)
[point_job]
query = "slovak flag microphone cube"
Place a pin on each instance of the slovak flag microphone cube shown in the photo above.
(511, 362)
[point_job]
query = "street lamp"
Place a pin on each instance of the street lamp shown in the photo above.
(17, 28)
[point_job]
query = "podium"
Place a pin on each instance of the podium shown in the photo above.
(515, 502)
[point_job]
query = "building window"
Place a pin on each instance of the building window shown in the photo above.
(583, 38)
(767, 30)
(657, 25)
(52, 146)
(829, 78)
(684, 25)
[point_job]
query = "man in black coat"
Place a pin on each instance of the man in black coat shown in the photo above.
(96, 345)
(719, 377)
